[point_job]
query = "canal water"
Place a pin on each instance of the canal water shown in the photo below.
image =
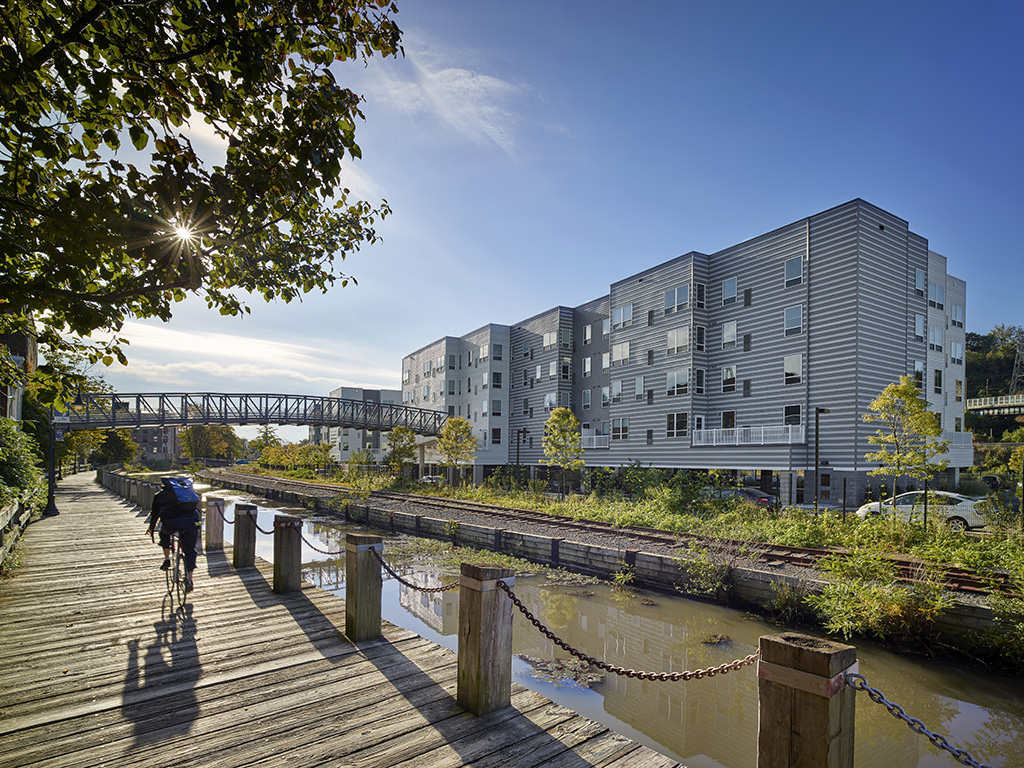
(707, 723)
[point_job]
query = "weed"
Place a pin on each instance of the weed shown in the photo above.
(451, 529)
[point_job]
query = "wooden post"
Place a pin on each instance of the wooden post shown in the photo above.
(214, 523)
(244, 550)
(805, 709)
(287, 554)
(485, 639)
(362, 586)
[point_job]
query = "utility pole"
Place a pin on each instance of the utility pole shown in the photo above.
(817, 460)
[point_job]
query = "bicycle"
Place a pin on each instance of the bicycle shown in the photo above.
(176, 575)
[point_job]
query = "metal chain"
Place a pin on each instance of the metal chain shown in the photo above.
(255, 518)
(316, 548)
(658, 676)
(220, 511)
(962, 756)
(400, 580)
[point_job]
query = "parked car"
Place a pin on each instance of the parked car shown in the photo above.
(992, 481)
(752, 496)
(432, 479)
(959, 511)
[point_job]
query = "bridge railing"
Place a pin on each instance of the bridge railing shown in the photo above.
(105, 410)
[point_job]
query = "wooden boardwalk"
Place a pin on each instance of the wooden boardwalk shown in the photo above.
(97, 670)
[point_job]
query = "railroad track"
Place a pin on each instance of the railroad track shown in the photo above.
(910, 570)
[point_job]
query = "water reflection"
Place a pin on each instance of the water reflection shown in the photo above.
(708, 723)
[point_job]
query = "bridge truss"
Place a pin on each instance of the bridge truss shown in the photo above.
(107, 410)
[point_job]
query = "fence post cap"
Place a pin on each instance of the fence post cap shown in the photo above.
(816, 655)
(362, 538)
(286, 521)
(485, 571)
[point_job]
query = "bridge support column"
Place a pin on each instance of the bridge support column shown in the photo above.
(244, 550)
(362, 586)
(214, 524)
(484, 676)
(805, 709)
(287, 554)
(787, 488)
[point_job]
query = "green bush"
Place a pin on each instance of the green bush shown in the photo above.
(20, 475)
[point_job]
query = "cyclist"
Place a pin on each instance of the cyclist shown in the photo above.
(175, 511)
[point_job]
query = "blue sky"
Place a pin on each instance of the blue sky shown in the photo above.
(535, 152)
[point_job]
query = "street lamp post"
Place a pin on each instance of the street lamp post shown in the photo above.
(817, 460)
(51, 493)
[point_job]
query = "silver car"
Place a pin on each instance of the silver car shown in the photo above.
(958, 510)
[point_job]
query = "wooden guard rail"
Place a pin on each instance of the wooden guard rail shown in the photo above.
(805, 709)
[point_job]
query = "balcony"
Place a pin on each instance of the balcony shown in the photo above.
(959, 439)
(595, 441)
(773, 435)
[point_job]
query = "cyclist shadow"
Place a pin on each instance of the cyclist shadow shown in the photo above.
(159, 694)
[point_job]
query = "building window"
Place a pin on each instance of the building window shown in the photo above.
(451, 386)
(496, 379)
(678, 382)
(405, 376)
(566, 369)
(606, 396)
(496, 351)
(427, 367)
(620, 429)
(919, 328)
(586, 399)
(620, 353)
(936, 296)
(728, 419)
(729, 291)
(550, 401)
(550, 339)
(526, 347)
(698, 295)
(938, 381)
(919, 282)
(426, 391)
(566, 338)
(956, 353)
(526, 376)
(729, 334)
(617, 391)
(606, 360)
(622, 317)
(496, 436)
(698, 338)
(794, 320)
(728, 378)
(564, 399)
(698, 381)
(586, 366)
(793, 366)
(639, 387)
(919, 373)
(677, 299)
(588, 334)
(958, 424)
(526, 406)
(794, 271)
(676, 425)
(791, 415)
(679, 340)
(496, 408)
(958, 389)
(553, 369)
(956, 317)
(482, 354)
(606, 328)
(935, 338)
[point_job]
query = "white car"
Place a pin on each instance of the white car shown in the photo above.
(959, 511)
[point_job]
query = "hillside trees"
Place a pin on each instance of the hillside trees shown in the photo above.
(107, 208)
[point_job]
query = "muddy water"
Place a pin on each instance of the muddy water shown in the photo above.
(701, 723)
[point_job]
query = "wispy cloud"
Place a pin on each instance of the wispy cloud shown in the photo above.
(480, 107)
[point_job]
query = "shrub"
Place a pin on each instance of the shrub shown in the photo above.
(20, 476)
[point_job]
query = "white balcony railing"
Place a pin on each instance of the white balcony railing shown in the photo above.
(772, 435)
(596, 441)
(959, 439)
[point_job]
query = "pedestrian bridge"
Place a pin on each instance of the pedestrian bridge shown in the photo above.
(109, 410)
(1004, 405)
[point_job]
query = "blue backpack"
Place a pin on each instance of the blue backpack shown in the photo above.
(186, 500)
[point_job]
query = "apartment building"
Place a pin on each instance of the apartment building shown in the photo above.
(759, 358)
(345, 441)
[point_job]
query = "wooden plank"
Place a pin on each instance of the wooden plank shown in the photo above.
(99, 669)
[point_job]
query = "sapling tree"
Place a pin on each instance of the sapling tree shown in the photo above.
(907, 436)
(457, 444)
(563, 442)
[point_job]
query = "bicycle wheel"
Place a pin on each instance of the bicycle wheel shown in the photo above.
(180, 576)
